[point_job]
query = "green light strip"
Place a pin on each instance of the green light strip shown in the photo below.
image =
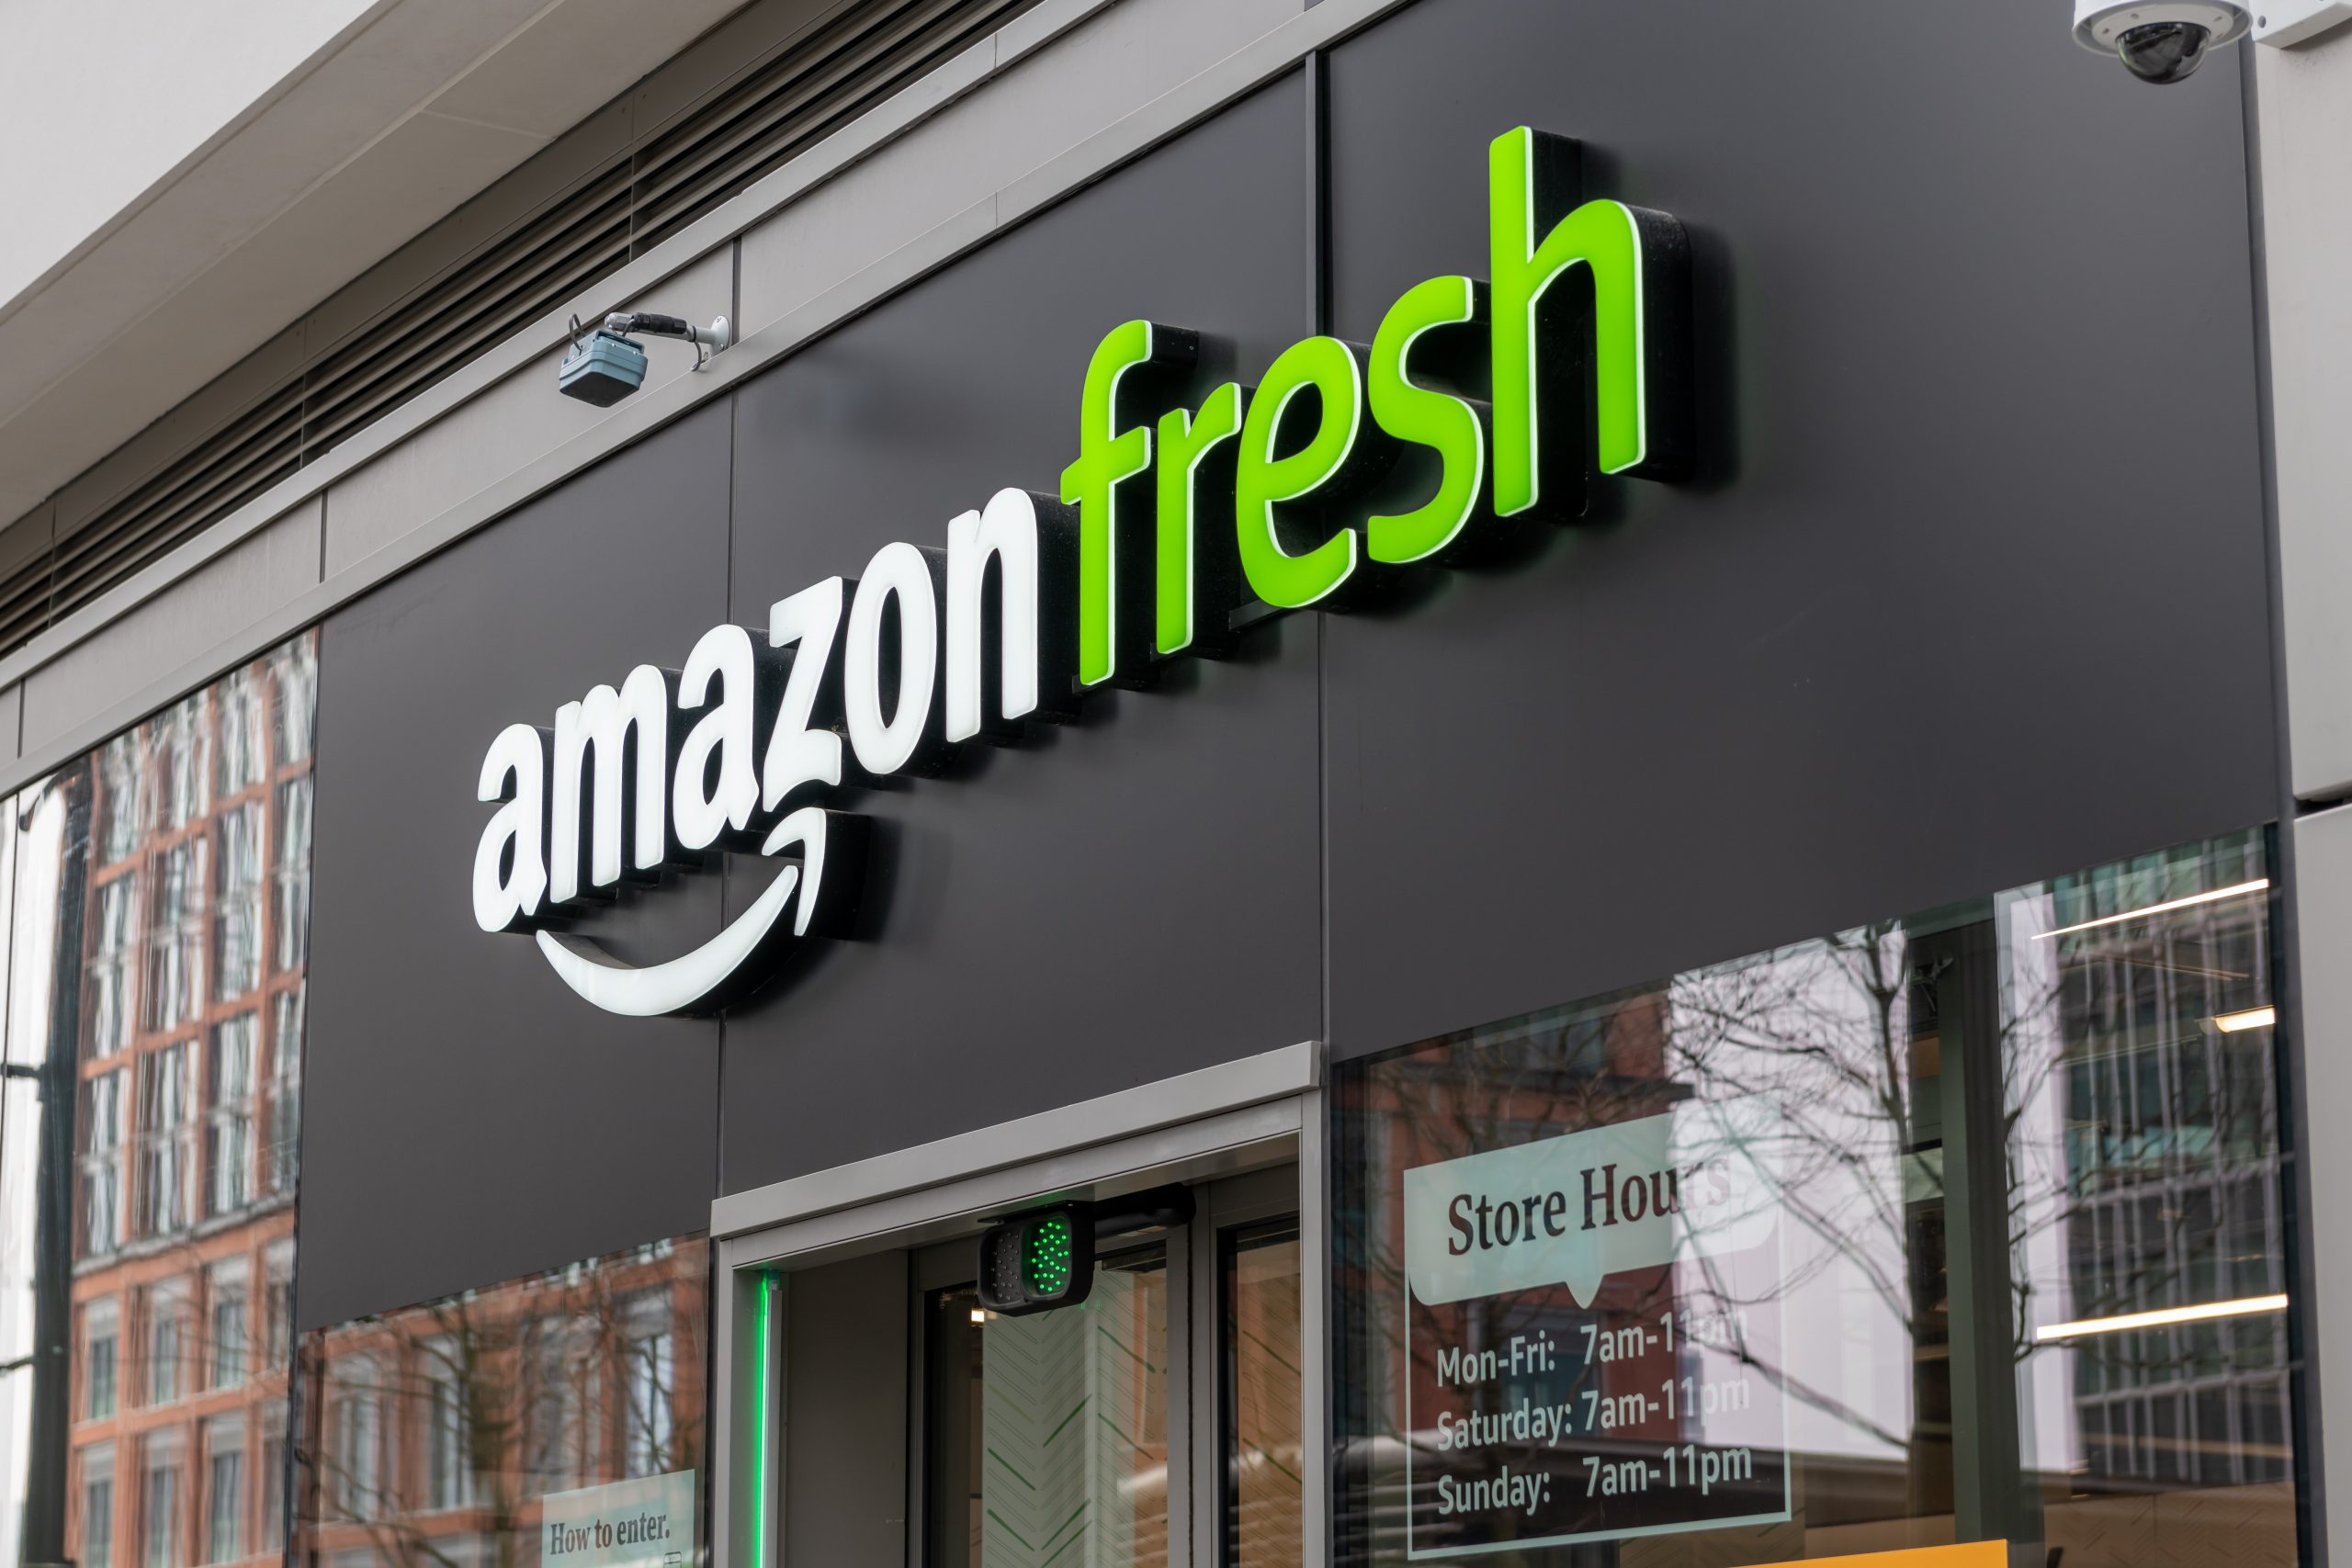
(766, 1419)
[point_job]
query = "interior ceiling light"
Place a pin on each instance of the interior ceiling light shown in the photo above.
(2253, 1018)
(2083, 1327)
(2256, 885)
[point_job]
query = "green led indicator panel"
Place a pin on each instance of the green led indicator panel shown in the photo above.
(1047, 1259)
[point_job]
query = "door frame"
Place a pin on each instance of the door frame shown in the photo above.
(1247, 1115)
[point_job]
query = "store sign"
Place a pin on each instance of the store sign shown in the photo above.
(645, 1523)
(1172, 527)
(1595, 1334)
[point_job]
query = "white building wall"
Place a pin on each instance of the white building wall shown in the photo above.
(101, 99)
(2303, 107)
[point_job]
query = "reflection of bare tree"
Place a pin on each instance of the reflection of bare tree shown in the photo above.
(2056, 1110)
(440, 1429)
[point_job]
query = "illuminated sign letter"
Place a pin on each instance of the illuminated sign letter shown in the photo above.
(1032, 672)
(899, 594)
(1263, 479)
(1638, 261)
(1195, 577)
(1449, 426)
(717, 783)
(598, 730)
(510, 863)
(1110, 455)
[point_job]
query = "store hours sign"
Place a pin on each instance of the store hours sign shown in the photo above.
(1593, 1334)
(1171, 526)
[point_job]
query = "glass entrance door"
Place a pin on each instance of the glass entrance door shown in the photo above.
(1158, 1422)
(1049, 1433)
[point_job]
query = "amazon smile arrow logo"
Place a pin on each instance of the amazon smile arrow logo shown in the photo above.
(1172, 527)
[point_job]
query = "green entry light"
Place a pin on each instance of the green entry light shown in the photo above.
(1046, 1263)
(1044, 1259)
(1037, 1262)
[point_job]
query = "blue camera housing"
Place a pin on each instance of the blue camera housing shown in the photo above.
(602, 370)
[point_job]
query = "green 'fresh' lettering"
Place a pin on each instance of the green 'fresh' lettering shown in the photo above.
(1108, 457)
(1185, 441)
(1262, 481)
(1447, 424)
(1606, 237)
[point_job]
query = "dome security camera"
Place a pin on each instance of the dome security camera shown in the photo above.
(2159, 40)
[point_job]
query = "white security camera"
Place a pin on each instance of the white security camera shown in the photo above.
(2159, 40)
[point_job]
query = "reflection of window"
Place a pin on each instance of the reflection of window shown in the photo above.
(448, 1468)
(356, 1449)
(174, 988)
(224, 1488)
(101, 1333)
(119, 803)
(160, 1500)
(272, 1477)
(164, 1309)
(101, 1164)
(166, 1132)
(97, 1505)
(296, 667)
(225, 1292)
(290, 877)
(649, 1372)
(278, 1305)
(107, 981)
(237, 923)
(177, 739)
(238, 696)
(564, 1446)
(282, 1094)
(229, 1116)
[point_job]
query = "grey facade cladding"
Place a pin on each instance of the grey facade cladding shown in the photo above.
(1937, 621)
(1932, 624)
(1135, 896)
(470, 1127)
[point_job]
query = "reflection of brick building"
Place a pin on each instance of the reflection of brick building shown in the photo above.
(194, 871)
(432, 1434)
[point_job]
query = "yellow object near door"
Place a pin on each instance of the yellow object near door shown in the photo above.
(1968, 1554)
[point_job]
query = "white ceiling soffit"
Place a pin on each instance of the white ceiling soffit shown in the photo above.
(156, 238)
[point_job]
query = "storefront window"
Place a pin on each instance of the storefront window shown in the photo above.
(145, 1192)
(461, 1430)
(1963, 1226)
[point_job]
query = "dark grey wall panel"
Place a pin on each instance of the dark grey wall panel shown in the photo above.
(846, 1340)
(466, 1118)
(1133, 897)
(1976, 593)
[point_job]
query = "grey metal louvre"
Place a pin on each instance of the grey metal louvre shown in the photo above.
(219, 474)
(761, 121)
(521, 276)
(551, 248)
